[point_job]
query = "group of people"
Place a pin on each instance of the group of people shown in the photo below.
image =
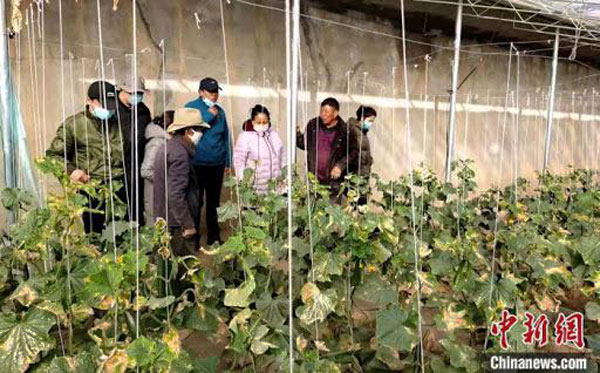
(173, 165)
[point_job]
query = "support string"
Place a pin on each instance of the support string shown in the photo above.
(412, 191)
(496, 219)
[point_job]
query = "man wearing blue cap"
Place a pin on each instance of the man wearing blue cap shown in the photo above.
(212, 158)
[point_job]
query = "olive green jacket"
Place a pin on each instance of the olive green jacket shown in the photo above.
(86, 146)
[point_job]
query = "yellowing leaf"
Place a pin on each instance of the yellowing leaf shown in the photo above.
(317, 304)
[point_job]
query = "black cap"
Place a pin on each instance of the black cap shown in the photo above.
(95, 92)
(210, 85)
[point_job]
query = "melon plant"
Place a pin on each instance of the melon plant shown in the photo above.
(71, 302)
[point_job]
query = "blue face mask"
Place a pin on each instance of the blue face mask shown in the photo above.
(365, 126)
(208, 102)
(102, 113)
(136, 99)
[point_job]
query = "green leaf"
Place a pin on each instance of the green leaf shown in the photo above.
(255, 233)
(202, 318)
(327, 264)
(589, 248)
(13, 199)
(300, 247)
(438, 366)
(321, 366)
(273, 311)
(104, 282)
(207, 365)
(227, 211)
(22, 340)
(592, 311)
(26, 293)
(141, 351)
(380, 252)
(156, 303)
(119, 227)
(441, 264)
(258, 346)
(594, 343)
(461, 356)
(391, 332)
(80, 363)
(317, 304)
(239, 297)
(375, 293)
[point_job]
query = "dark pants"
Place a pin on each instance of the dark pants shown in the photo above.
(181, 246)
(96, 222)
(210, 181)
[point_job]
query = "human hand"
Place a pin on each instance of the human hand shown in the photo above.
(213, 110)
(79, 176)
(189, 232)
(336, 172)
(227, 171)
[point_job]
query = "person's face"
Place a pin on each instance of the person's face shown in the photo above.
(328, 114)
(370, 119)
(212, 96)
(92, 104)
(260, 119)
(125, 97)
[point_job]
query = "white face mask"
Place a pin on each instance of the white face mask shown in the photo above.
(196, 136)
(260, 128)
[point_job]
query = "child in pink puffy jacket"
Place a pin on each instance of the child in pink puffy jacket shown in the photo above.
(259, 148)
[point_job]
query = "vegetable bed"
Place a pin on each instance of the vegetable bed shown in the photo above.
(77, 303)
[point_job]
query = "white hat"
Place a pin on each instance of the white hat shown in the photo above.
(126, 83)
(186, 118)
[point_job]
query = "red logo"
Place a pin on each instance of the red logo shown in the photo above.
(568, 329)
(503, 326)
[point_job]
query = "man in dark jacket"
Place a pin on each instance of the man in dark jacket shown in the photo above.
(365, 117)
(330, 145)
(130, 101)
(176, 198)
(86, 142)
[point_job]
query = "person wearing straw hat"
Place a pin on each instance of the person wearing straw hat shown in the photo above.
(130, 100)
(176, 193)
(85, 142)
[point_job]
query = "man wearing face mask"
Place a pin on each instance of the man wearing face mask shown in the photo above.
(86, 142)
(365, 117)
(330, 145)
(213, 154)
(130, 101)
(180, 190)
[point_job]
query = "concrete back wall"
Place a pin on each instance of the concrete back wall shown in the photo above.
(332, 55)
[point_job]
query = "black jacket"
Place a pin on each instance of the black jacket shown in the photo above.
(126, 115)
(180, 187)
(364, 161)
(344, 149)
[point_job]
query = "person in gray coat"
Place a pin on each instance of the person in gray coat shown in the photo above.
(176, 194)
(156, 136)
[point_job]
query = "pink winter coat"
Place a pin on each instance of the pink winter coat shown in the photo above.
(262, 153)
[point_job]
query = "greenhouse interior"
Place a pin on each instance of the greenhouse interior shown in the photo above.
(300, 185)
